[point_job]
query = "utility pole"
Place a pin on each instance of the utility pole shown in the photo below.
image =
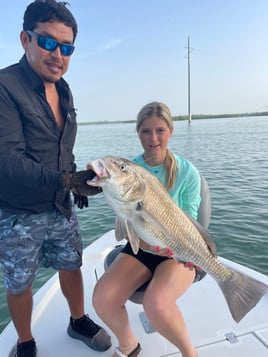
(189, 82)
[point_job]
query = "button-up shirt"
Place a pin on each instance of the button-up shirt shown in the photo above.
(34, 152)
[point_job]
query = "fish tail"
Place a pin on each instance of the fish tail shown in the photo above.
(242, 293)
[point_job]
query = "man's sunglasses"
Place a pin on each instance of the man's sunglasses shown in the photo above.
(50, 45)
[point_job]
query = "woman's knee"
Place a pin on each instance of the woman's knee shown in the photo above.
(100, 299)
(153, 304)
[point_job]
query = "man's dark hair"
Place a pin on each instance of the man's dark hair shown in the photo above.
(48, 11)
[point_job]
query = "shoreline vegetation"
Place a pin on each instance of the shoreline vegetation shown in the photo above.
(184, 117)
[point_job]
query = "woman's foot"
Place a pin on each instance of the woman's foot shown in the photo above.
(127, 351)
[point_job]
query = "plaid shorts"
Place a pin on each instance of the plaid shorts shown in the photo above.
(30, 241)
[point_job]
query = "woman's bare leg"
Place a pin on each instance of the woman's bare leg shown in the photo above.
(111, 292)
(170, 281)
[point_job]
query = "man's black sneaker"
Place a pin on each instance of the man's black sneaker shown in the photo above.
(26, 349)
(85, 330)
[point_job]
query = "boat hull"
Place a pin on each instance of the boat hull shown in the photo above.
(210, 324)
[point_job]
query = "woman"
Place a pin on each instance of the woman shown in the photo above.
(168, 278)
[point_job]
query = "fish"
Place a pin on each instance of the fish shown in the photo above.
(146, 212)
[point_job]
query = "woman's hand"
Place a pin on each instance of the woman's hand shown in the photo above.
(163, 252)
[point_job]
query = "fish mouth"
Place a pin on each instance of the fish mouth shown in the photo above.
(101, 173)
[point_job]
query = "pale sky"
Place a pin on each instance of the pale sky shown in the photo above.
(131, 52)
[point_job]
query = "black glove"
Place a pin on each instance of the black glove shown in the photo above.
(80, 201)
(77, 183)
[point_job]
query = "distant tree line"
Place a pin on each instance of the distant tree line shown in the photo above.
(215, 116)
(184, 117)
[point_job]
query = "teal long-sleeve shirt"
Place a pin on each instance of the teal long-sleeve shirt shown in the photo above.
(186, 190)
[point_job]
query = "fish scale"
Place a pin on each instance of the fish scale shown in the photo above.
(180, 226)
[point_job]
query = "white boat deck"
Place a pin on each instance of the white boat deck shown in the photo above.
(210, 324)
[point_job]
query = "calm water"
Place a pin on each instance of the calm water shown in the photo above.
(232, 155)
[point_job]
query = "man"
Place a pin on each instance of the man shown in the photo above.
(38, 225)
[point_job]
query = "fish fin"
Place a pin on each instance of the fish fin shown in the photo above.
(120, 229)
(132, 237)
(124, 230)
(205, 235)
(242, 293)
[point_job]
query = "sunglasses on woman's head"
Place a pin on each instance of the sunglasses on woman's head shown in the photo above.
(50, 45)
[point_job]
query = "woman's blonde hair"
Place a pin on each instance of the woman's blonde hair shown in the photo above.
(162, 111)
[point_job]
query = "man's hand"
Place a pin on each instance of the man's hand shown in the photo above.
(80, 201)
(77, 183)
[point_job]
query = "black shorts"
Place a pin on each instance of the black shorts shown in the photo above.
(151, 261)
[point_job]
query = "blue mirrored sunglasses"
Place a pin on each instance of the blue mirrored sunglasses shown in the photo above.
(50, 45)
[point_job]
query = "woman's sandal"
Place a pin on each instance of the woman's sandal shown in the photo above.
(134, 353)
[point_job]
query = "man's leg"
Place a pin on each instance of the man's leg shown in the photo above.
(72, 288)
(81, 326)
(20, 308)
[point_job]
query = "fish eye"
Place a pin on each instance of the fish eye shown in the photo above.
(122, 167)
